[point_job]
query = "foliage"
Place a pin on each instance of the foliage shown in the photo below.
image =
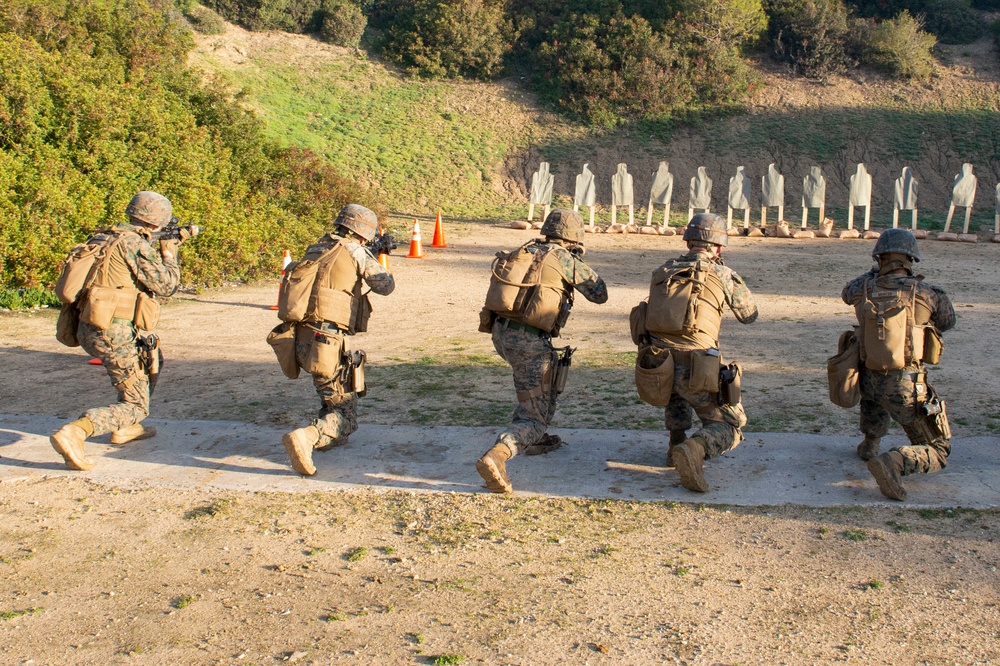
(23, 299)
(446, 39)
(342, 23)
(953, 21)
(204, 20)
(810, 34)
(96, 104)
(901, 47)
(287, 15)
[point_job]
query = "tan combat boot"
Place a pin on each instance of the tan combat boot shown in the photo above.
(493, 468)
(676, 437)
(690, 458)
(68, 442)
(888, 470)
(132, 433)
(868, 448)
(299, 445)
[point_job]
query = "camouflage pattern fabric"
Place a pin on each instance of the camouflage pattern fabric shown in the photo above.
(531, 356)
(720, 426)
(116, 346)
(895, 395)
(338, 417)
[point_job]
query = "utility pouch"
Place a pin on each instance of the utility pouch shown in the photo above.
(637, 324)
(705, 371)
(843, 373)
(654, 375)
(99, 307)
(147, 312)
(933, 345)
(486, 320)
(282, 341)
(325, 353)
(66, 325)
(75, 271)
(729, 384)
(296, 290)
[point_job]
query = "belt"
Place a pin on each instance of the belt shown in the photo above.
(516, 325)
(330, 326)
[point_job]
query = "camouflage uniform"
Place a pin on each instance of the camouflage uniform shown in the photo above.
(337, 417)
(531, 355)
(116, 346)
(898, 394)
(720, 426)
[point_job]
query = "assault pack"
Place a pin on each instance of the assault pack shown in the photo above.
(685, 299)
(890, 337)
(528, 287)
(324, 286)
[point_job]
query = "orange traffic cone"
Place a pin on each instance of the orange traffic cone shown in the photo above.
(383, 260)
(286, 258)
(438, 233)
(416, 250)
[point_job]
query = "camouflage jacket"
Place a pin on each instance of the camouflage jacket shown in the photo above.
(374, 275)
(147, 267)
(937, 301)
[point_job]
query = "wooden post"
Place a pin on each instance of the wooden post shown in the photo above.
(914, 219)
(649, 213)
(614, 214)
(868, 214)
(947, 223)
(729, 218)
(850, 216)
(968, 215)
(895, 217)
(763, 217)
(805, 217)
(531, 211)
(592, 217)
(631, 214)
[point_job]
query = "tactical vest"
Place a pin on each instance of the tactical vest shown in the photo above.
(893, 322)
(97, 277)
(528, 287)
(325, 287)
(685, 304)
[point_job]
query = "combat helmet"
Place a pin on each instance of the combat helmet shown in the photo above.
(707, 227)
(358, 219)
(151, 208)
(565, 224)
(899, 241)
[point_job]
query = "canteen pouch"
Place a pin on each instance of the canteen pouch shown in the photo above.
(325, 353)
(282, 341)
(654, 375)
(843, 372)
(637, 323)
(933, 345)
(705, 368)
(147, 312)
(66, 325)
(296, 290)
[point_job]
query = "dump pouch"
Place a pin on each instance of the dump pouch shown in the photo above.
(147, 312)
(325, 353)
(705, 371)
(843, 373)
(486, 320)
(66, 325)
(637, 324)
(654, 375)
(282, 341)
(75, 271)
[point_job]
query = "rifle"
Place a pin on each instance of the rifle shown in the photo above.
(173, 231)
(382, 243)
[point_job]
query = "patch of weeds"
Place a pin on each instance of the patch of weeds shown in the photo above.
(605, 551)
(210, 510)
(389, 550)
(357, 554)
(824, 530)
(899, 527)
(333, 618)
(315, 550)
(182, 602)
(448, 659)
(10, 615)
(874, 584)
(417, 638)
(681, 571)
(856, 535)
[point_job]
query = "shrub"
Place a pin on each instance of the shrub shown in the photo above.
(204, 20)
(342, 23)
(986, 5)
(902, 48)
(810, 34)
(953, 21)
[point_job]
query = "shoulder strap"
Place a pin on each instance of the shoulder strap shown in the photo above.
(102, 266)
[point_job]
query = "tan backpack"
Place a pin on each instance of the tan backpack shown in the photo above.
(528, 287)
(324, 286)
(890, 338)
(681, 300)
(77, 271)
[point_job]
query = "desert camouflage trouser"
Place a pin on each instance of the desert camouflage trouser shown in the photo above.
(720, 426)
(894, 395)
(338, 413)
(116, 347)
(531, 359)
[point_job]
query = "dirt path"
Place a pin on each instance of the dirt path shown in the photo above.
(146, 576)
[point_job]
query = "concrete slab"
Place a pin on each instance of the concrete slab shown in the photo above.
(766, 469)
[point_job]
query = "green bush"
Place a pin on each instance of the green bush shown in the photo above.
(446, 39)
(953, 21)
(31, 297)
(809, 34)
(986, 5)
(204, 20)
(96, 104)
(342, 23)
(902, 48)
(287, 15)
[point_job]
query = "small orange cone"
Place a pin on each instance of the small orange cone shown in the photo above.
(94, 361)
(416, 250)
(383, 260)
(438, 233)
(286, 258)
